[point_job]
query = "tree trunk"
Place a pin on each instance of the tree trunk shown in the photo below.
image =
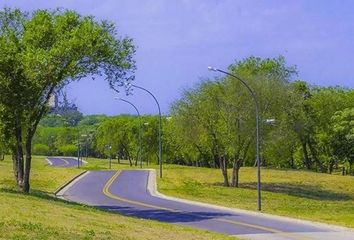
(307, 161)
(223, 167)
(17, 157)
(315, 158)
(263, 161)
(235, 172)
(331, 166)
(136, 158)
(118, 156)
(26, 184)
(292, 160)
(216, 161)
(130, 160)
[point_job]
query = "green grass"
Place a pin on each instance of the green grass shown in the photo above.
(300, 194)
(39, 215)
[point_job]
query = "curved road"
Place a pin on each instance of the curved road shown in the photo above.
(63, 161)
(126, 192)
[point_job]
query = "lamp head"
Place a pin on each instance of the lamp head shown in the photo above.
(212, 69)
(118, 98)
(270, 121)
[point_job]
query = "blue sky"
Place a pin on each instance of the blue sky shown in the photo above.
(178, 39)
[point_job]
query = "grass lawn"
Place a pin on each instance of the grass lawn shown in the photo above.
(39, 215)
(300, 194)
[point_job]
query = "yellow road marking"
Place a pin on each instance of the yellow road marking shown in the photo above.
(109, 194)
(116, 197)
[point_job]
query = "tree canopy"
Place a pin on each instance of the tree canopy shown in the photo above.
(42, 52)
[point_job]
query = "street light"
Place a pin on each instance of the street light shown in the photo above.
(253, 95)
(109, 146)
(78, 148)
(160, 128)
(139, 138)
(85, 153)
(270, 121)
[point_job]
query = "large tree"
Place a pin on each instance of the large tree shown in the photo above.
(217, 119)
(41, 52)
(342, 140)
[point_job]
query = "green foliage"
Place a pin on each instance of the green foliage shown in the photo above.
(122, 134)
(312, 126)
(92, 120)
(218, 118)
(68, 150)
(41, 149)
(52, 120)
(40, 53)
(343, 136)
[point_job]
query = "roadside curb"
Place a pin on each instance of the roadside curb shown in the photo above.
(152, 189)
(60, 191)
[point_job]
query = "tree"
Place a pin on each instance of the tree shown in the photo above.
(300, 120)
(217, 118)
(40, 53)
(92, 120)
(41, 149)
(68, 150)
(343, 136)
(312, 121)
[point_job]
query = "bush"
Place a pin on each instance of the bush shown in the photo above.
(68, 150)
(41, 149)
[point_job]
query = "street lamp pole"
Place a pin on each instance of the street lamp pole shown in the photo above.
(78, 149)
(110, 156)
(254, 96)
(139, 138)
(160, 123)
(84, 150)
(109, 146)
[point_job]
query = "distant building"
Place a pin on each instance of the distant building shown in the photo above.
(53, 101)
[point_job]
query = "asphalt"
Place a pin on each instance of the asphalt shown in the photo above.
(63, 161)
(126, 192)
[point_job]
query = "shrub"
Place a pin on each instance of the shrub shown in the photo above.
(41, 149)
(68, 150)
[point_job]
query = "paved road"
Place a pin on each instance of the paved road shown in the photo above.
(126, 192)
(63, 161)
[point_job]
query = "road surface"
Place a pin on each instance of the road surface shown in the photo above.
(63, 161)
(126, 192)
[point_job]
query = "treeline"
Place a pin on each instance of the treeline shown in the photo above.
(98, 136)
(213, 125)
(301, 126)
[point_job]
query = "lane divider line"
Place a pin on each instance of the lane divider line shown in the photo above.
(116, 197)
(75, 159)
(49, 161)
(66, 162)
